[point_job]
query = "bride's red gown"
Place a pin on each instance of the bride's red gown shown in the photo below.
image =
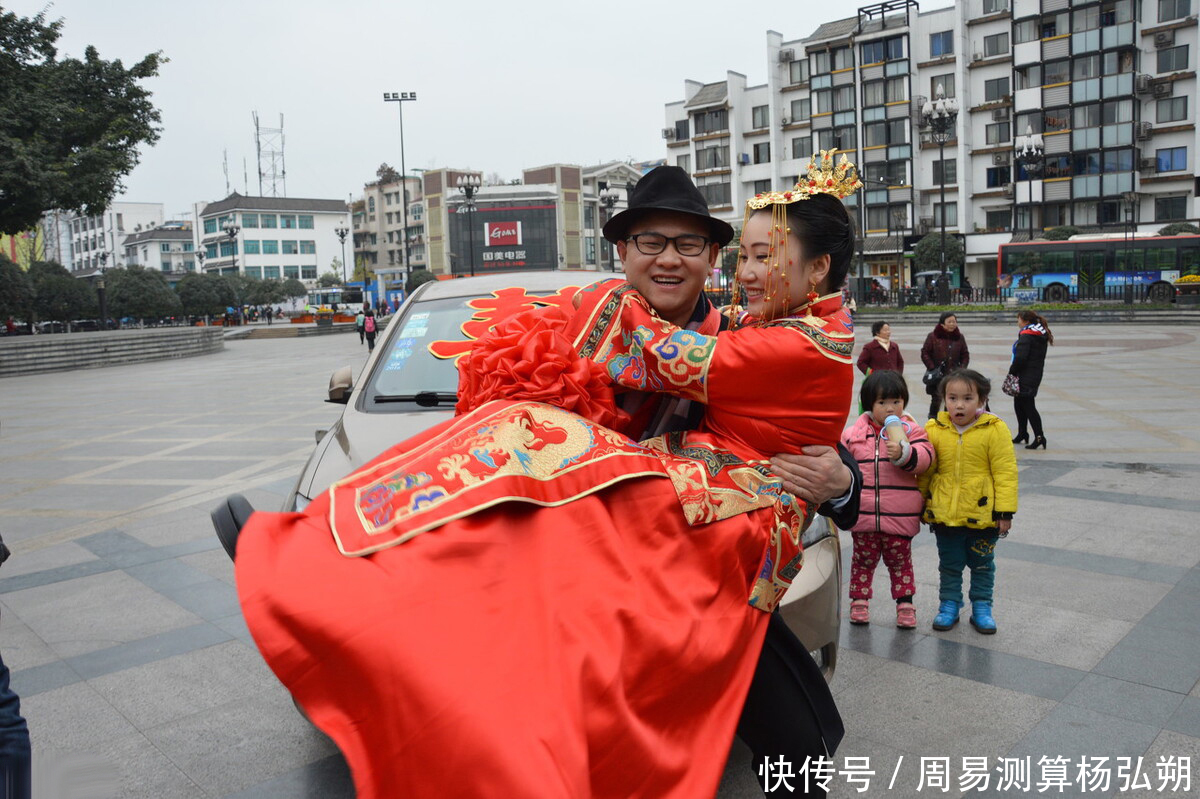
(523, 603)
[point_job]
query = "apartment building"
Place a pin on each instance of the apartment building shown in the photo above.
(1108, 87)
(97, 240)
(170, 248)
(379, 228)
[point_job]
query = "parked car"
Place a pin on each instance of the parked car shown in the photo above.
(404, 389)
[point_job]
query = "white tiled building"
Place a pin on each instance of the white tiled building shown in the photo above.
(1110, 86)
(170, 248)
(98, 241)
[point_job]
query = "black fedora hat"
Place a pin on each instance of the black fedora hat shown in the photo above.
(666, 188)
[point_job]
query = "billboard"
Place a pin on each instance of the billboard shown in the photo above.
(506, 238)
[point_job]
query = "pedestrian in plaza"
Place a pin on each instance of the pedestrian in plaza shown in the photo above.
(359, 322)
(270, 314)
(881, 353)
(1029, 359)
(970, 496)
(369, 327)
(945, 350)
(14, 734)
(890, 510)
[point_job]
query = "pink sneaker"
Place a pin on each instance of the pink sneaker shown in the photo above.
(859, 611)
(906, 616)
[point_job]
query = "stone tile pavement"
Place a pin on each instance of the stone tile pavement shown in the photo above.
(119, 618)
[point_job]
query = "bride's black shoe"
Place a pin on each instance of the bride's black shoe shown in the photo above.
(1040, 441)
(1021, 439)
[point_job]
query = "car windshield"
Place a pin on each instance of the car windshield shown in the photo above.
(410, 368)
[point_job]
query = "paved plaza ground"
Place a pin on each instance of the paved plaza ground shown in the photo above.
(119, 617)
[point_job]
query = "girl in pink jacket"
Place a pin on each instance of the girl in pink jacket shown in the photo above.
(890, 512)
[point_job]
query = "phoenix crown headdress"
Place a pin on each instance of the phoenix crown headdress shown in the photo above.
(824, 177)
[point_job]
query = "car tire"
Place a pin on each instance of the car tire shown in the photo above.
(1057, 292)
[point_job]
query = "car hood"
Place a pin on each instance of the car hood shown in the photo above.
(357, 438)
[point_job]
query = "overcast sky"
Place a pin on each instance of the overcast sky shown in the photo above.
(500, 86)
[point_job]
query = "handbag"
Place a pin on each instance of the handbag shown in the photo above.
(1011, 386)
(933, 376)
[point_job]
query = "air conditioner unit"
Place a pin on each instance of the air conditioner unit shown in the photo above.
(787, 55)
(785, 120)
(1163, 89)
(668, 133)
(1000, 114)
(977, 57)
(1144, 131)
(1164, 39)
(1148, 164)
(1143, 84)
(925, 224)
(999, 159)
(744, 158)
(1008, 189)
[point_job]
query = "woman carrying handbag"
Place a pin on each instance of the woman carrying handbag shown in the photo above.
(1025, 375)
(945, 350)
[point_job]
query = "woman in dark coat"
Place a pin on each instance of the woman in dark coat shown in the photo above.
(944, 347)
(1029, 358)
(880, 353)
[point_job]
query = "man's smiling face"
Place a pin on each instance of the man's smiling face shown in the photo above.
(670, 282)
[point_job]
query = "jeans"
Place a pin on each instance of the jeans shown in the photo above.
(14, 743)
(959, 548)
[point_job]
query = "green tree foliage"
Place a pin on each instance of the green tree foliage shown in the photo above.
(58, 296)
(928, 253)
(329, 279)
(16, 291)
(140, 293)
(204, 295)
(387, 174)
(69, 129)
(1061, 233)
(418, 278)
(294, 289)
(1176, 228)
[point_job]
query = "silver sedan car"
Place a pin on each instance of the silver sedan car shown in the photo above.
(404, 389)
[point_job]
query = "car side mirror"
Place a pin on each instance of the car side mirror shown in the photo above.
(341, 383)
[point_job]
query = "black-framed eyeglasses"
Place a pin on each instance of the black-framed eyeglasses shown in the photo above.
(654, 243)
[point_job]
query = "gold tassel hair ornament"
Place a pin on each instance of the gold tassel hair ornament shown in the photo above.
(839, 179)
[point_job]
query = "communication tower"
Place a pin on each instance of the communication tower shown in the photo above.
(271, 172)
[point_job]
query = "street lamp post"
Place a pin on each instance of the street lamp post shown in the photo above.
(1030, 156)
(940, 116)
(609, 198)
(232, 230)
(400, 98)
(341, 231)
(469, 186)
(101, 299)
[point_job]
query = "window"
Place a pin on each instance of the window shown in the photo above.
(712, 121)
(1056, 166)
(798, 71)
(820, 62)
(1086, 67)
(1168, 208)
(897, 90)
(254, 272)
(945, 81)
(1117, 160)
(306, 221)
(997, 176)
(1029, 77)
(1172, 159)
(684, 162)
(270, 273)
(1056, 119)
(995, 7)
(801, 109)
(1173, 59)
(387, 199)
(995, 89)
(1172, 110)
(223, 221)
(210, 251)
(227, 249)
(712, 158)
(370, 207)
(872, 52)
(842, 58)
(997, 133)
(995, 45)
(898, 131)
(762, 153)
(941, 44)
(164, 247)
(1026, 31)
(715, 194)
(802, 147)
(308, 248)
(1054, 25)
(1056, 72)
(949, 210)
(268, 220)
(291, 272)
(759, 117)
(874, 93)
(874, 134)
(999, 219)
(824, 101)
(682, 130)
(288, 247)
(210, 226)
(843, 98)
(1173, 9)
(250, 247)
(950, 167)
(309, 272)
(270, 248)
(287, 221)
(166, 266)
(762, 186)
(188, 246)
(249, 220)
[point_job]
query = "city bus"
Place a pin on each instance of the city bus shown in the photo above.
(328, 298)
(1099, 266)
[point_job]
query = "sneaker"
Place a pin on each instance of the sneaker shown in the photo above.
(860, 612)
(906, 616)
(981, 617)
(947, 615)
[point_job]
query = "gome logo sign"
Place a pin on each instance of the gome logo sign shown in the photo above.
(502, 234)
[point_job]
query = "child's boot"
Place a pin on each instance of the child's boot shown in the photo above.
(947, 615)
(860, 612)
(906, 615)
(981, 617)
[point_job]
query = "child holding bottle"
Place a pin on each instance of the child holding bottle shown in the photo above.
(892, 450)
(971, 496)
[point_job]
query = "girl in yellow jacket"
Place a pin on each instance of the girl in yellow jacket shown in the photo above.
(970, 497)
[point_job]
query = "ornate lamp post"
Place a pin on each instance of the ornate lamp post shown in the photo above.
(469, 186)
(1030, 156)
(400, 98)
(232, 230)
(940, 116)
(100, 292)
(609, 198)
(342, 231)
